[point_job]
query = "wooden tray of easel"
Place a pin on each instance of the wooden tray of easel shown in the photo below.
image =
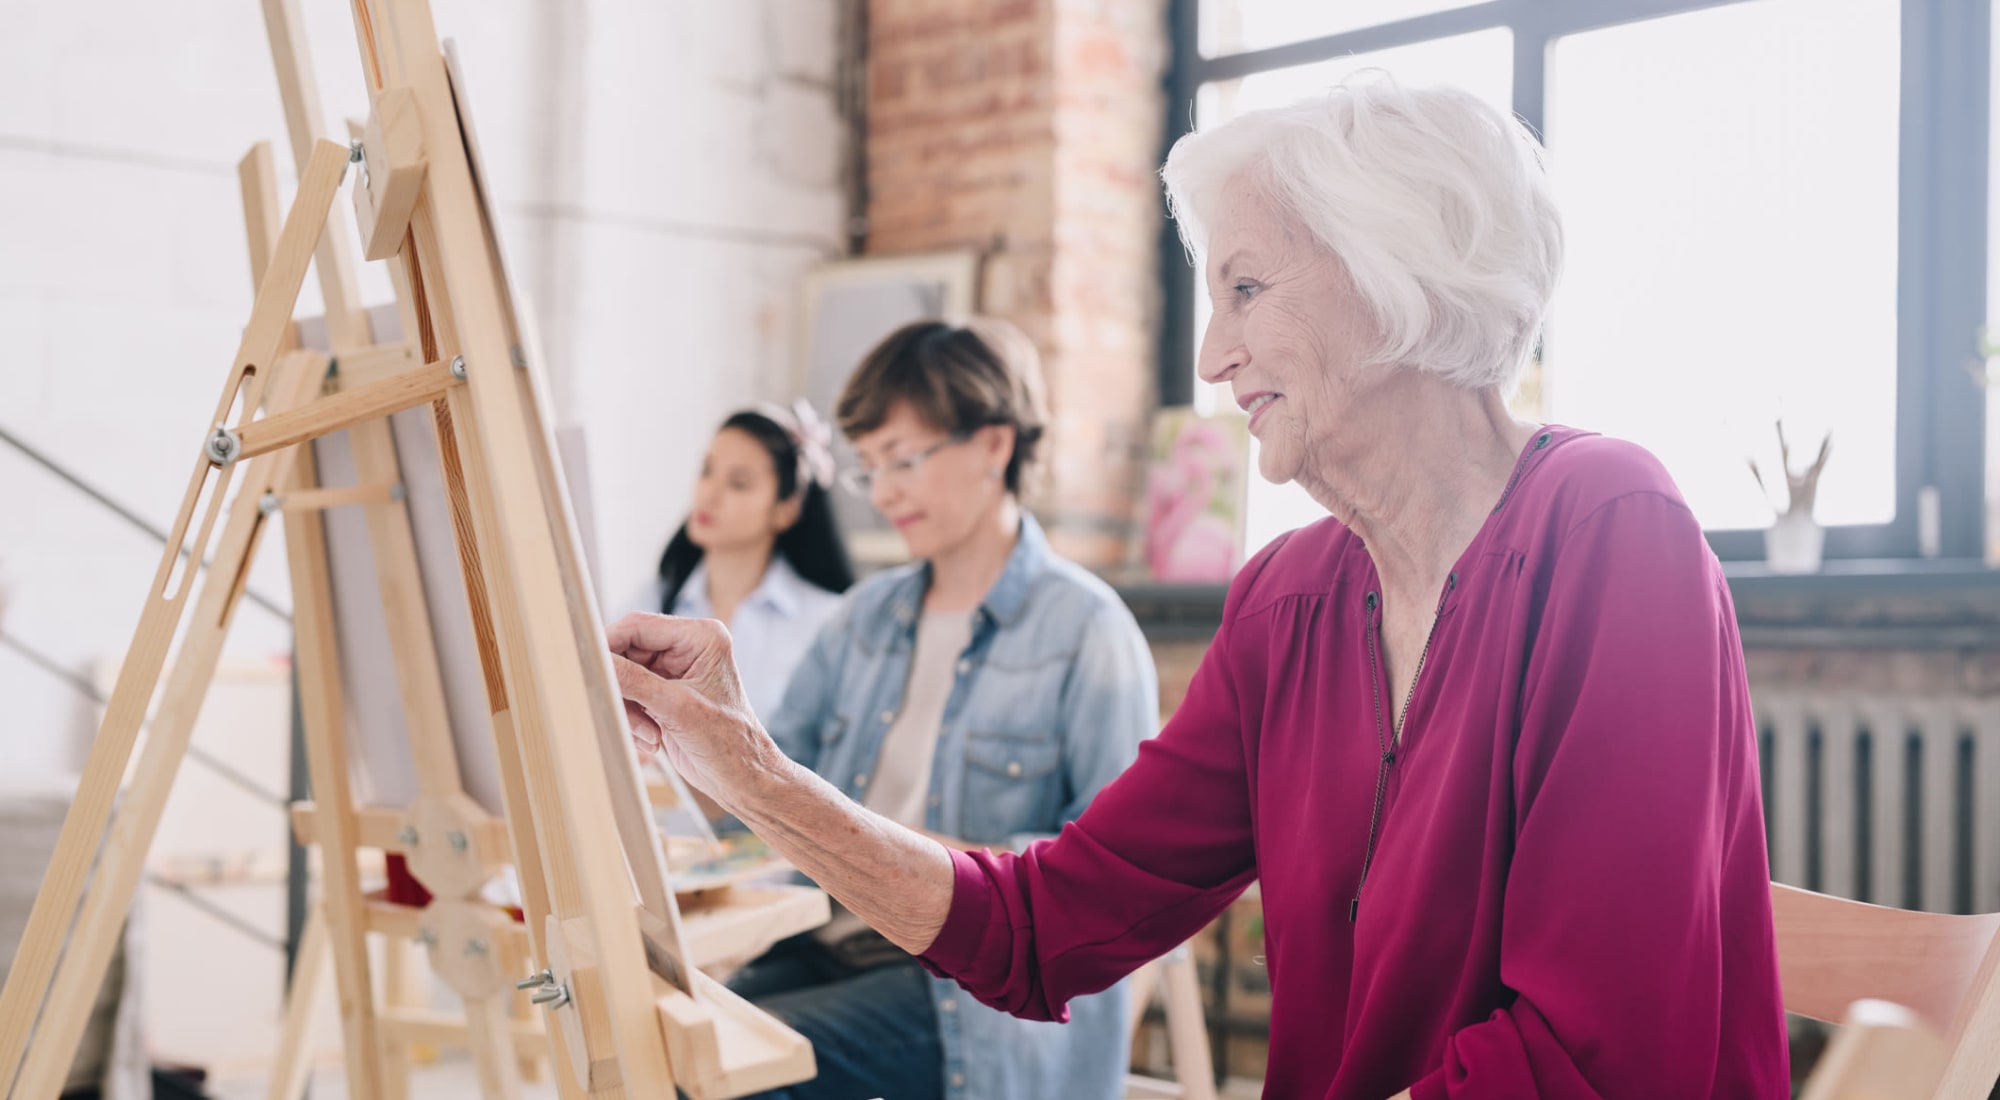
(611, 962)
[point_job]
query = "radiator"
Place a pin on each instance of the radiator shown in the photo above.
(1889, 799)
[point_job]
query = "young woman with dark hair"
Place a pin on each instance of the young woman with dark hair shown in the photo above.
(760, 550)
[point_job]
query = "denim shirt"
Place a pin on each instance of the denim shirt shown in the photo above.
(1053, 695)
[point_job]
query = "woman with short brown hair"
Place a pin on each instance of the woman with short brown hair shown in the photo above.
(981, 694)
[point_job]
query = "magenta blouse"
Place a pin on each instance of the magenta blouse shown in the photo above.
(1568, 893)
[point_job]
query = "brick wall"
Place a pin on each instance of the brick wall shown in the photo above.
(1029, 130)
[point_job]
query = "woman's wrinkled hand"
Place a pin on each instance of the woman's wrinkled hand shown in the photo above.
(683, 697)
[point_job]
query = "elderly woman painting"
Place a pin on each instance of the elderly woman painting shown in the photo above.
(1484, 735)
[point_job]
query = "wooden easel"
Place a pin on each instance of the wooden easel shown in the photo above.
(1173, 976)
(628, 1008)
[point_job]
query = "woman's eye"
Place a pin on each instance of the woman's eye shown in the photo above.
(1247, 290)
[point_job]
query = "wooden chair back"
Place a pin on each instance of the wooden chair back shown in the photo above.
(1945, 969)
(1883, 1052)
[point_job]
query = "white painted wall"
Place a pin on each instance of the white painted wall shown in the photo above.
(664, 174)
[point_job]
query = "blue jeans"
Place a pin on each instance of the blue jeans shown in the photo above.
(874, 1032)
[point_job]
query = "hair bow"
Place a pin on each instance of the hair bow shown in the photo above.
(810, 436)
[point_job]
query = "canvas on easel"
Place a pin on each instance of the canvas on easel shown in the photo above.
(627, 1009)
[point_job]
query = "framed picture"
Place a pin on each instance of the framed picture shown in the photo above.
(1196, 481)
(849, 307)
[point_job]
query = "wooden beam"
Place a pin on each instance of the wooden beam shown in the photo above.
(71, 985)
(376, 827)
(349, 334)
(747, 920)
(353, 367)
(298, 91)
(443, 1029)
(309, 967)
(345, 409)
(529, 587)
(542, 840)
(490, 1030)
(278, 291)
(319, 500)
(257, 174)
(337, 831)
(392, 150)
(724, 1046)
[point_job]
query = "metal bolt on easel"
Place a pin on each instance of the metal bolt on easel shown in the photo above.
(476, 948)
(270, 503)
(407, 836)
(458, 841)
(223, 446)
(458, 367)
(536, 981)
(551, 997)
(426, 938)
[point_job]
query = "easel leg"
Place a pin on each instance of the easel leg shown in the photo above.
(515, 962)
(544, 885)
(288, 1075)
(1187, 1035)
(402, 987)
(88, 821)
(492, 1034)
(101, 910)
(326, 752)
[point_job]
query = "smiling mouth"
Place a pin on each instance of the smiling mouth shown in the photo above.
(1259, 403)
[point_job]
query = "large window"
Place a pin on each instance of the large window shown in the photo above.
(1774, 208)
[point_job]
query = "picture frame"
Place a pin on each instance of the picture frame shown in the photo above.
(848, 307)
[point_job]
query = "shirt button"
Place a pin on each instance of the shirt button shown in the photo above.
(958, 1080)
(888, 716)
(948, 1005)
(861, 779)
(1014, 767)
(965, 666)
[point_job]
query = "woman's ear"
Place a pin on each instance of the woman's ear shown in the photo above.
(997, 447)
(786, 512)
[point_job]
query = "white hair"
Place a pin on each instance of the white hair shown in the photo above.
(1436, 204)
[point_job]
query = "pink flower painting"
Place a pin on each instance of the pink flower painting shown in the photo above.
(1194, 498)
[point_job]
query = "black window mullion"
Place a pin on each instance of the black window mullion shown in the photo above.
(1383, 36)
(1531, 80)
(1953, 189)
(1177, 282)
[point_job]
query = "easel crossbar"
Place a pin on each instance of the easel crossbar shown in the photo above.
(372, 401)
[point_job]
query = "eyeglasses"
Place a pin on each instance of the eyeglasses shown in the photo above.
(860, 480)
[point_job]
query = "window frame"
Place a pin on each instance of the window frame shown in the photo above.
(1941, 229)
